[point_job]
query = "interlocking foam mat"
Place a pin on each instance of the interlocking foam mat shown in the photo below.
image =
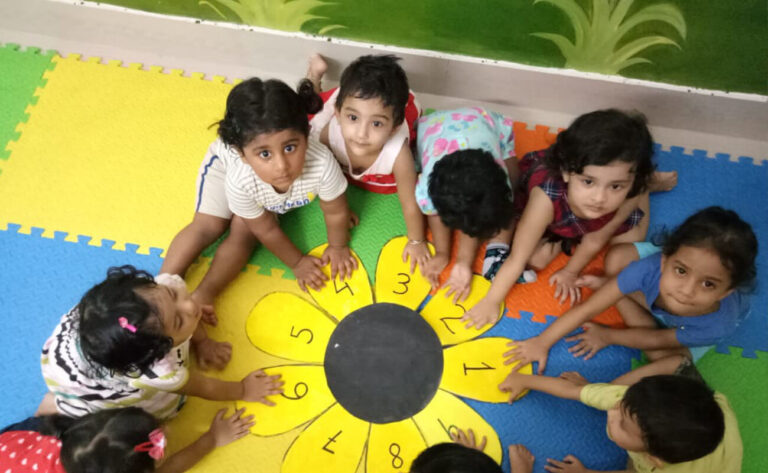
(99, 170)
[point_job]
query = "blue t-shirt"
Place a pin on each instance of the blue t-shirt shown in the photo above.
(693, 331)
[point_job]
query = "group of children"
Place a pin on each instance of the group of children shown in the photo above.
(118, 363)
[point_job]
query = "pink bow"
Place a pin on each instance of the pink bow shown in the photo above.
(156, 445)
(124, 323)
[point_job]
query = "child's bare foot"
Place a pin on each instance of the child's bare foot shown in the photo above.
(47, 406)
(575, 377)
(520, 459)
(316, 70)
(663, 181)
(591, 281)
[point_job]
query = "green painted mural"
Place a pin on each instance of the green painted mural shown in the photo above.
(710, 44)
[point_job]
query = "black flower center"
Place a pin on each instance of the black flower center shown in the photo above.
(384, 363)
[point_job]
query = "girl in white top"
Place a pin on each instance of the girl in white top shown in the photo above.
(127, 344)
(368, 123)
(264, 164)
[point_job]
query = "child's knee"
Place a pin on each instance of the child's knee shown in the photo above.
(209, 227)
(619, 257)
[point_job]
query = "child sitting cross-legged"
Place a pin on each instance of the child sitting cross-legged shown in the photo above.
(666, 423)
(127, 344)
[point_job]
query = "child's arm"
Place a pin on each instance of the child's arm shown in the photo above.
(336, 213)
(595, 337)
(537, 348)
(405, 176)
(515, 383)
(255, 387)
(222, 432)
(306, 268)
(210, 353)
(441, 238)
(564, 280)
(533, 223)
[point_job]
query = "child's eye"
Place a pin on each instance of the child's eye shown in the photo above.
(587, 182)
(290, 148)
(352, 117)
(617, 187)
(377, 124)
(709, 284)
(679, 270)
(264, 154)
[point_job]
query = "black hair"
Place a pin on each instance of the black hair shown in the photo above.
(104, 442)
(255, 107)
(453, 458)
(679, 417)
(471, 193)
(601, 137)
(103, 341)
(376, 77)
(724, 232)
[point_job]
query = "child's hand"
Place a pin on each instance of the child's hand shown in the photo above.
(591, 341)
(308, 273)
(483, 313)
(565, 286)
(458, 282)
(341, 259)
(433, 267)
(514, 384)
(208, 314)
(527, 351)
(570, 464)
(257, 386)
(226, 430)
(468, 439)
(418, 253)
(212, 354)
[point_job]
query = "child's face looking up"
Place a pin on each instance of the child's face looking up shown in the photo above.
(693, 281)
(277, 157)
(366, 125)
(599, 190)
(179, 313)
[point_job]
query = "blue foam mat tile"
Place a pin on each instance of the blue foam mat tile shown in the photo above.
(42, 279)
(552, 427)
(704, 181)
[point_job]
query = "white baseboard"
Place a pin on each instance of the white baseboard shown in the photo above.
(732, 123)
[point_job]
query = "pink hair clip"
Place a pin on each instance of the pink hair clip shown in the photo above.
(156, 445)
(124, 323)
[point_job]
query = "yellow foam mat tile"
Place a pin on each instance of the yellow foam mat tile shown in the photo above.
(111, 152)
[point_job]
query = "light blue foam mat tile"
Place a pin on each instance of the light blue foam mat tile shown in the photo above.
(551, 427)
(40, 281)
(741, 186)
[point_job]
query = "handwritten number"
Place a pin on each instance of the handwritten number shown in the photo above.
(345, 286)
(448, 327)
(300, 386)
(447, 430)
(403, 283)
(394, 450)
(304, 330)
(330, 441)
(485, 366)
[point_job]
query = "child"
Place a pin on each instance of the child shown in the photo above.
(666, 423)
(589, 188)
(465, 455)
(678, 301)
(468, 168)
(127, 344)
(111, 441)
(369, 122)
(263, 165)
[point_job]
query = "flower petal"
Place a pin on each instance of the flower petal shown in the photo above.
(445, 316)
(305, 397)
(476, 368)
(333, 443)
(446, 413)
(393, 447)
(285, 325)
(394, 281)
(340, 298)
